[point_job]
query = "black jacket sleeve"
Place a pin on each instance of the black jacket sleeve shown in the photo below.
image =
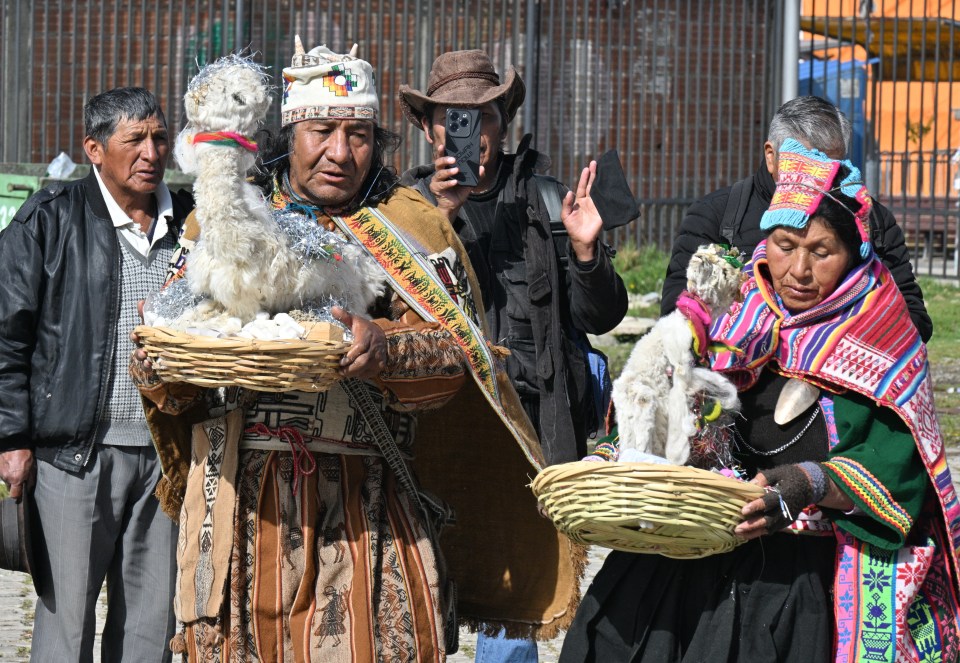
(700, 225)
(598, 297)
(894, 253)
(21, 272)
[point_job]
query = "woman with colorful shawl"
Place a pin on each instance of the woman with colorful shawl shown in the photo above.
(852, 553)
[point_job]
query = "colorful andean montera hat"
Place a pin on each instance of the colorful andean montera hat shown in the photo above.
(322, 84)
(805, 176)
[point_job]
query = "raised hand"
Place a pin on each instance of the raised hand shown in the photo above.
(581, 218)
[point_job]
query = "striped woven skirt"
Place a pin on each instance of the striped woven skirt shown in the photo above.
(340, 571)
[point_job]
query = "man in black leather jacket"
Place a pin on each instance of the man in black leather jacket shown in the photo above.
(73, 264)
(816, 123)
(543, 287)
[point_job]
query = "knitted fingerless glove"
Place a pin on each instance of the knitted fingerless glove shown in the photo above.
(791, 489)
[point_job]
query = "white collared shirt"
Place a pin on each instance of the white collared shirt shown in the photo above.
(136, 238)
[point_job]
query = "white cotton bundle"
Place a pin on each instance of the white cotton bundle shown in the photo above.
(207, 319)
(271, 329)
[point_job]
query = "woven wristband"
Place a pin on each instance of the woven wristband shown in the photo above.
(818, 479)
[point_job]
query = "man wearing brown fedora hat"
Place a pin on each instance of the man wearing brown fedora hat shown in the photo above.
(532, 273)
(544, 285)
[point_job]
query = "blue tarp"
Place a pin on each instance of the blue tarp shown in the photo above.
(845, 85)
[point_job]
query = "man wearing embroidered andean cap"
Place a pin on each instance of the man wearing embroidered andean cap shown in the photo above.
(332, 547)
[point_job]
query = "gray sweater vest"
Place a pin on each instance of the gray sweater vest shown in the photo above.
(123, 421)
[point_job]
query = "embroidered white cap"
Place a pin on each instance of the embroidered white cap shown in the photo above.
(322, 84)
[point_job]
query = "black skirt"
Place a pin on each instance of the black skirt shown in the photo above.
(769, 600)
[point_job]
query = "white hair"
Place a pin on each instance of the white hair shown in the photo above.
(813, 121)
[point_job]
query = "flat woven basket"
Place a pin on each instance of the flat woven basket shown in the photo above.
(675, 511)
(308, 364)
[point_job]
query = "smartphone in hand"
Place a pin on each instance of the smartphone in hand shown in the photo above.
(463, 143)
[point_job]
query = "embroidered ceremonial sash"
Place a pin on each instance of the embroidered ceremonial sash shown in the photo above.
(415, 281)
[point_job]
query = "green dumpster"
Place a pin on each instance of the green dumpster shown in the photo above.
(19, 181)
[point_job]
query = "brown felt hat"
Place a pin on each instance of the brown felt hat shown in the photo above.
(466, 79)
(16, 551)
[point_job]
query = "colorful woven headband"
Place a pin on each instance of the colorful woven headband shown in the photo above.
(804, 177)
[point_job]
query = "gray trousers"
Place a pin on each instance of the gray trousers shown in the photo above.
(104, 522)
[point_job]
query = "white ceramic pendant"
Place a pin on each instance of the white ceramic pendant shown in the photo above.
(795, 398)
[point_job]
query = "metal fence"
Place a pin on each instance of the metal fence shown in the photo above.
(893, 66)
(682, 88)
(924, 174)
(921, 189)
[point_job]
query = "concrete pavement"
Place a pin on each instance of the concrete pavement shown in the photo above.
(17, 602)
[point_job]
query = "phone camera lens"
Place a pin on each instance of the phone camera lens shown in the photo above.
(464, 121)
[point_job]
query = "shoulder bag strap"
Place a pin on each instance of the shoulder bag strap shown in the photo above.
(433, 509)
(736, 208)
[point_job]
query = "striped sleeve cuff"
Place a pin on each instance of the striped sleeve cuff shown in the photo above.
(868, 493)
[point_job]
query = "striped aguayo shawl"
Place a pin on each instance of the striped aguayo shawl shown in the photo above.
(859, 338)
